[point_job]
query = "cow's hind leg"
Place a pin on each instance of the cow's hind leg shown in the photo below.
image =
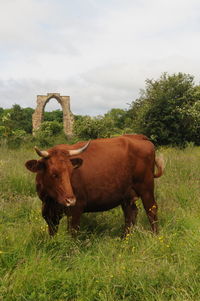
(151, 209)
(130, 211)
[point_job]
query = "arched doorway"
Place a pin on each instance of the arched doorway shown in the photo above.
(64, 101)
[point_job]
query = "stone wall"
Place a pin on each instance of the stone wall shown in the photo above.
(64, 101)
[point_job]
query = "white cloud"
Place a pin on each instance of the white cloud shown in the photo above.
(98, 52)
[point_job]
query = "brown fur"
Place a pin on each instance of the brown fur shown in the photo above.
(111, 172)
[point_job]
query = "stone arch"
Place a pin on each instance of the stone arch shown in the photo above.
(64, 101)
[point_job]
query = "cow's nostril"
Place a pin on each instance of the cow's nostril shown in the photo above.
(70, 202)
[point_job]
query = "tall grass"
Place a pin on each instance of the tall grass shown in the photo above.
(98, 265)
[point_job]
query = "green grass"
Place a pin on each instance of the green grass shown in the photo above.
(98, 265)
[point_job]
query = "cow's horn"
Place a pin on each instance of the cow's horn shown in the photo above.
(43, 154)
(74, 152)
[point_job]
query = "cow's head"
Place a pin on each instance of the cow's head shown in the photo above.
(54, 172)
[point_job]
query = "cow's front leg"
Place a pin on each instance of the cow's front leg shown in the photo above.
(75, 220)
(52, 218)
(53, 224)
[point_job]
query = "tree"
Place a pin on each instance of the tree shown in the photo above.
(118, 116)
(1, 111)
(56, 115)
(13, 137)
(48, 132)
(21, 118)
(87, 127)
(191, 117)
(157, 113)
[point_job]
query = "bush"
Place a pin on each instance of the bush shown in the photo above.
(45, 136)
(51, 128)
(16, 138)
(94, 127)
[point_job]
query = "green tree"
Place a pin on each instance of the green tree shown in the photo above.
(157, 113)
(56, 115)
(190, 115)
(87, 127)
(47, 133)
(12, 137)
(21, 118)
(6, 125)
(118, 116)
(1, 112)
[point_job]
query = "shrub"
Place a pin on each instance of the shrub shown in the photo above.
(48, 131)
(94, 127)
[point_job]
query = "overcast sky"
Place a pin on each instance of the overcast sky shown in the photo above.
(99, 52)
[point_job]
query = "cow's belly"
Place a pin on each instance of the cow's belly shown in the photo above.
(106, 197)
(101, 206)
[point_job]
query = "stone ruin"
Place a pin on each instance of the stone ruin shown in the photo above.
(64, 101)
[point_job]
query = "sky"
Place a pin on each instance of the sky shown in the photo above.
(98, 52)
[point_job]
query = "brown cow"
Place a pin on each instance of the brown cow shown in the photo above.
(73, 179)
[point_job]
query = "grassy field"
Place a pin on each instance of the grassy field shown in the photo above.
(98, 265)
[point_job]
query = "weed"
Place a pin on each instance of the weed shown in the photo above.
(98, 265)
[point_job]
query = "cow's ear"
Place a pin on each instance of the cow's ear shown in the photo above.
(76, 162)
(34, 165)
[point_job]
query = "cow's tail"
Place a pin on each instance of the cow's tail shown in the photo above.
(160, 165)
